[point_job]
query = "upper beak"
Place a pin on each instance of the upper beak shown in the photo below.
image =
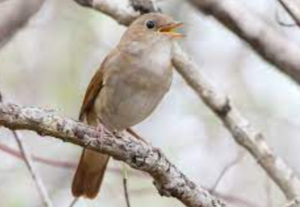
(170, 29)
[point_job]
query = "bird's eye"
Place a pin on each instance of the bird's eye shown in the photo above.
(150, 24)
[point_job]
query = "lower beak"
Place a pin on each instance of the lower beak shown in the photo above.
(170, 30)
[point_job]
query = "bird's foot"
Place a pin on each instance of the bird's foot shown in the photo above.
(159, 152)
(101, 129)
(118, 134)
(87, 143)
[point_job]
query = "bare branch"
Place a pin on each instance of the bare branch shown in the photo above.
(74, 202)
(50, 162)
(240, 128)
(125, 184)
(282, 23)
(126, 193)
(270, 45)
(292, 9)
(14, 15)
(32, 170)
(225, 170)
(168, 180)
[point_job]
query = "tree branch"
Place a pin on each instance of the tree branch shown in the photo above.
(270, 45)
(49, 162)
(292, 9)
(14, 15)
(32, 170)
(28, 160)
(240, 128)
(167, 178)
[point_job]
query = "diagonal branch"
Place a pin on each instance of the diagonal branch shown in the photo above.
(24, 153)
(292, 9)
(240, 128)
(14, 15)
(33, 172)
(167, 178)
(269, 44)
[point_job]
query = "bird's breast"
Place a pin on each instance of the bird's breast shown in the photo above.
(128, 99)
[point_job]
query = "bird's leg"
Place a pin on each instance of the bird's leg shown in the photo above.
(135, 135)
(118, 134)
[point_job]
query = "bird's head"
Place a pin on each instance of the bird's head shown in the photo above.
(152, 28)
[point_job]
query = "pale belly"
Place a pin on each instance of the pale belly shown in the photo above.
(123, 103)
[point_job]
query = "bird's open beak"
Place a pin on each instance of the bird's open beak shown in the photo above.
(170, 30)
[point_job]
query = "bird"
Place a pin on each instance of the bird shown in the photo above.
(130, 83)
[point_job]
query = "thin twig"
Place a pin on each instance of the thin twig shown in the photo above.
(281, 23)
(33, 172)
(74, 202)
(125, 183)
(49, 162)
(31, 168)
(292, 9)
(225, 170)
(126, 194)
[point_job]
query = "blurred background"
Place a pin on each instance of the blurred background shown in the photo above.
(50, 62)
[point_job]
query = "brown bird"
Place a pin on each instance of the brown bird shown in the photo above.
(130, 83)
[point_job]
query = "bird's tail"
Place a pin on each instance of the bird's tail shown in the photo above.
(91, 168)
(89, 174)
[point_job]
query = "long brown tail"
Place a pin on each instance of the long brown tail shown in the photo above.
(89, 174)
(91, 169)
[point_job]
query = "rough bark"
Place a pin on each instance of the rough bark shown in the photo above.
(167, 178)
(262, 38)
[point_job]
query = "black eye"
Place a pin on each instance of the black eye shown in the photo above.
(150, 24)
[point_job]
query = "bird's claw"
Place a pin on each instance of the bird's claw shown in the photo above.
(159, 151)
(87, 143)
(100, 128)
(117, 134)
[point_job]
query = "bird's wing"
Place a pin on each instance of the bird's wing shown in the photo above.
(95, 86)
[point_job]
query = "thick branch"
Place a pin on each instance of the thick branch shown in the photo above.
(240, 128)
(270, 45)
(168, 179)
(14, 14)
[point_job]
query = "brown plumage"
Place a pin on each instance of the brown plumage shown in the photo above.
(126, 89)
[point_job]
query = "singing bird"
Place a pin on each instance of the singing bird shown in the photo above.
(130, 83)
